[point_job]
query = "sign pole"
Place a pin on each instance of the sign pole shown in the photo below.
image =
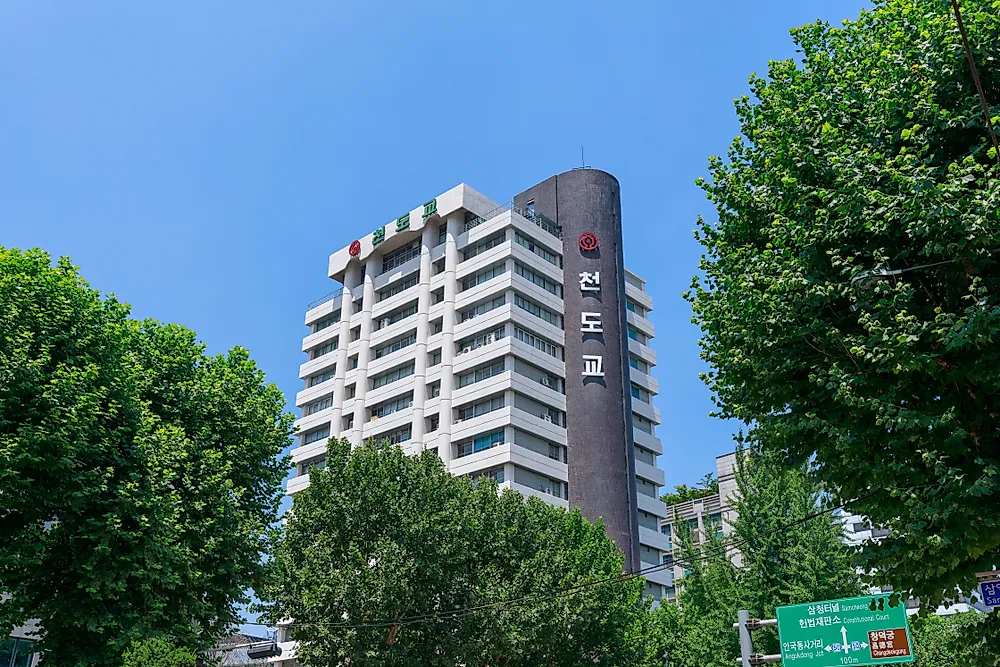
(746, 644)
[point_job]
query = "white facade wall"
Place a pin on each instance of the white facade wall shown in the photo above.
(457, 347)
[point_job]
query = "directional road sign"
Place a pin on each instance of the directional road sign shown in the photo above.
(990, 589)
(852, 631)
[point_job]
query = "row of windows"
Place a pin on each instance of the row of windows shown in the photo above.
(397, 315)
(396, 345)
(487, 274)
(388, 407)
(326, 348)
(635, 307)
(321, 404)
(480, 443)
(481, 340)
(483, 246)
(397, 287)
(481, 408)
(537, 310)
(391, 260)
(326, 321)
(316, 435)
(495, 474)
(480, 374)
(482, 308)
(535, 247)
(536, 278)
(640, 394)
(538, 342)
(393, 375)
(319, 378)
(638, 364)
(637, 335)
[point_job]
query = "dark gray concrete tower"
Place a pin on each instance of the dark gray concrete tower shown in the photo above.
(587, 204)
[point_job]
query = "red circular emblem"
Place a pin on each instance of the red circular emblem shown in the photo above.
(355, 249)
(588, 242)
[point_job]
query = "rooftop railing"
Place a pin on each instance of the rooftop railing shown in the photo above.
(324, 299)
(543, 221)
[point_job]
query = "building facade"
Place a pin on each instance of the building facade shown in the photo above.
(711, 515)
(474, 330)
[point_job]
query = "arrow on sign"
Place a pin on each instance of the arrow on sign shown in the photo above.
(843, 633)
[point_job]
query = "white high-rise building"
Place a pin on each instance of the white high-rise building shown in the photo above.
(447, 333)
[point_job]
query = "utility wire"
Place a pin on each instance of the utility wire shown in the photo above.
(722, 548)
(975, 77)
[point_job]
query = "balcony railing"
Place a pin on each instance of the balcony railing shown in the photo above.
(324, 299)
(543, 221)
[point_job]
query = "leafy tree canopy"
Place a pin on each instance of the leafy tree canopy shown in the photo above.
(849, 301)
(707, 486)
(138, 474)
(158, 652)
(378, 538)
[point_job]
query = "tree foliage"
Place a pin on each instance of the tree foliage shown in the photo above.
(849, 301)
(378, 538)
(783, 559)
(707, 486)
(947, 641)
(158, 652)
(138, 474)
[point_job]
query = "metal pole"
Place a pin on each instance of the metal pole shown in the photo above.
(746, 645)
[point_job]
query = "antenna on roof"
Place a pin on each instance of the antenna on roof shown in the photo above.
(583, 163)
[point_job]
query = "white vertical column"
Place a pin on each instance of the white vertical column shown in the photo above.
(361, 385)
(352, 278)
(423, 307)
(455, 223)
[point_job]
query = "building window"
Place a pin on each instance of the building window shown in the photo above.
(397, 315)
(396, 345)
(480, 443)
(395, 437)
(481, 373)
(635, 308)
(483, 276)
(437, 326)
(537, 248)
(355, 333)
(386, 408)
(315, 435)
(350, 391)
(439, 266)
(495, 474)
(668, 559)
(637, 335)
(638, 364)
(538, 342)
(480, 340)
(537, 278)
(537, 310)
(397, 287)
(482, 308)
(348, 422)
(640, 394)
(16, 652)
(442, 233)
(320, 378)
(483, 246)
(392, 376)
(326, 348)
(433, 423)
(321, 404)
(434, 389)
(481, 408)
(319, 325)
(307, 466)
(352, 363)
(714, 524)
(391, 260)
(434, 358)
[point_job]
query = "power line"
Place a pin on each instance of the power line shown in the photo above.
(546, 597)
(975, 77)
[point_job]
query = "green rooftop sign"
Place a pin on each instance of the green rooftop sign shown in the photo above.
(853, 631)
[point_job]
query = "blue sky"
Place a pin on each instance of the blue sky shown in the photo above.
(202, 160)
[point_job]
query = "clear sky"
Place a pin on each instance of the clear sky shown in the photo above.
(202, 160)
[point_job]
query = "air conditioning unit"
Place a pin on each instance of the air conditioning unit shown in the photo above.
(465, 350)
(410, 405)
(548, 490)
(489, 339)
(546, 382)
(384, 323)
(546, 416)
(458, 421)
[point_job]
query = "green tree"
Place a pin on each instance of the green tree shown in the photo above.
(706, 486)
(784, 559)
(379, 538)
(139, 475)
(947, 641)
(850, 294)
(158, 652)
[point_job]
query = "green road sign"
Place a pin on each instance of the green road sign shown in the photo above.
(853, 631)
